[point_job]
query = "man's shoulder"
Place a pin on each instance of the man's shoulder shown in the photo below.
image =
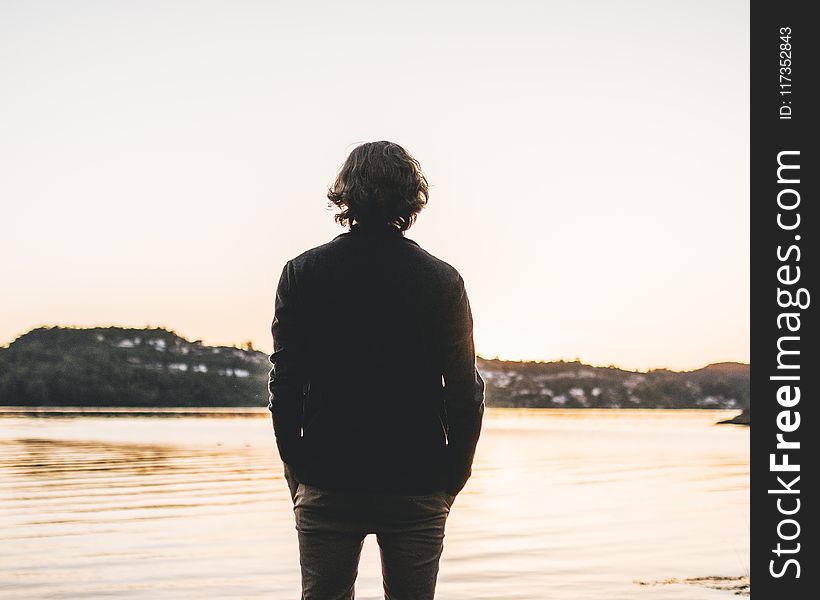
(447, 271)
(311, 255)
(315, 251)
(413, 251)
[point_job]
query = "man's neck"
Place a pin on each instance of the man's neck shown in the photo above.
(375, 228)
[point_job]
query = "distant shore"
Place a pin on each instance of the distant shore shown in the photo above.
(155, 367)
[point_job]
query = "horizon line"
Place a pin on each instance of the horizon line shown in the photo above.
(478, 354)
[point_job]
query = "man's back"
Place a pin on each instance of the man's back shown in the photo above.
(374, 367)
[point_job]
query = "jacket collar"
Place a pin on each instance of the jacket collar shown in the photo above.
(375, 230)
(386, 231)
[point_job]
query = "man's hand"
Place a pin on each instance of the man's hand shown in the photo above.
(292, 482)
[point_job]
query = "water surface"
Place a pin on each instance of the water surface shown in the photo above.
(565, 505)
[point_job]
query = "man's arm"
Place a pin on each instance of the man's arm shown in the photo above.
(463, 389)
(288, 375)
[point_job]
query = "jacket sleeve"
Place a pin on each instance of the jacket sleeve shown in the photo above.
(463, 390)
(288, 373)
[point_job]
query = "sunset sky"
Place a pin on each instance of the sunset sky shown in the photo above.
(588, 163)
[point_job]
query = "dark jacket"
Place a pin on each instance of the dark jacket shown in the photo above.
(373, 385)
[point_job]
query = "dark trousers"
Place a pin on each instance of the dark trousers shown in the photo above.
(332, 526)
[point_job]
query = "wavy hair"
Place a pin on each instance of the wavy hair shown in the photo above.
(379, 183)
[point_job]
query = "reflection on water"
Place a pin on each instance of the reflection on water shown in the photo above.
(571, 505)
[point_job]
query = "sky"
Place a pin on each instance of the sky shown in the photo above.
(588, 164)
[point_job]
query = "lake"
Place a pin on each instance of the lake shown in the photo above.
(563, 504)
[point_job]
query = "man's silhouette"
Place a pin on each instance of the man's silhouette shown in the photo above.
(375, 399)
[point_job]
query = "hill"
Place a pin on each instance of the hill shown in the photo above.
(115, 366)
(576, 385)
(155, 367)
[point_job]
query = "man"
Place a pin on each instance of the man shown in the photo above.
(375, 398)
